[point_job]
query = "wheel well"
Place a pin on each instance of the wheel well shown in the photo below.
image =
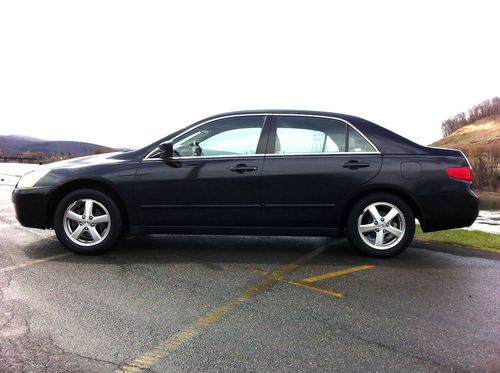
(71, 186)
(405, 197)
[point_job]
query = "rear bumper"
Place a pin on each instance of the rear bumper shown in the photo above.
(453, 209)
(31, 206)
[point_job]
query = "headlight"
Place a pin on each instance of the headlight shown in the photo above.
(31, 178)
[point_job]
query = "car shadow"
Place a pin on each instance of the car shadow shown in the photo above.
(210, 251)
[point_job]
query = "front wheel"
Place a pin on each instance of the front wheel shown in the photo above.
(381, 225)
(87, 221)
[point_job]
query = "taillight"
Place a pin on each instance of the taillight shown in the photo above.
(461, 173)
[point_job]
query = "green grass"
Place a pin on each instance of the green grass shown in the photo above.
(474, 239)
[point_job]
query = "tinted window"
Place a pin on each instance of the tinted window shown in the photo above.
(358, 143)
(229, 136)
(309, 135)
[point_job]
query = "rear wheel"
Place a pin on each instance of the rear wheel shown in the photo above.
(381, 225)
(87, 221)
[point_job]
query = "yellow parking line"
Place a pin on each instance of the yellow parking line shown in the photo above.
(273, 275)
(307, 282)
(178, 339)
(33, 262)
(317, 288)
(278, 277)
(337, 273)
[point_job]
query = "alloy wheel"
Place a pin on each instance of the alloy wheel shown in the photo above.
(86, 222)
(381, 225)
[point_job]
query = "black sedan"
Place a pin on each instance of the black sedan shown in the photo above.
(270, 172)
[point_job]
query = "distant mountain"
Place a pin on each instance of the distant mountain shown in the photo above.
(16, 143)
(23, 138)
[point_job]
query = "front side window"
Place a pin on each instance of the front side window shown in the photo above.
(227, 136)
(309, 135)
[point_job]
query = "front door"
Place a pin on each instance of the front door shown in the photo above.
(212, 181)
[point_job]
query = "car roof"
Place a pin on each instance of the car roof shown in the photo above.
(386, 141)
(285, 111)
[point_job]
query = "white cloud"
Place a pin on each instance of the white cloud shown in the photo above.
(125, 73)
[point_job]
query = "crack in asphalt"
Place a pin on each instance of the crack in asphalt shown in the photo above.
(64, 352)
(11, 314)
(7, 323)
(44, 353)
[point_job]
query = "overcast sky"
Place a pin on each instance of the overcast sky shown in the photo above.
(124, 73)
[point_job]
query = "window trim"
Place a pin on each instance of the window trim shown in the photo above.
(262, 138)
(268, 131)
(274, 127)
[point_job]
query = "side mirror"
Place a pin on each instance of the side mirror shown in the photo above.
(166, 149)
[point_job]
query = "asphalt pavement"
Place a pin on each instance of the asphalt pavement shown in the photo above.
(199, 303)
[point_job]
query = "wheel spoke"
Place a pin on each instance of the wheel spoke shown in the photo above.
(101, 219)
(394, 231)
(391, 215)
(379, 240)
(71, 215)
(77, 232)
(374, 212)
(95, 235)
(367, 228)
(88, 208)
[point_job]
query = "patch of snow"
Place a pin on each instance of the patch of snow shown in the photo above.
(487, 221)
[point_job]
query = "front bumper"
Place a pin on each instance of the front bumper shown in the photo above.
(31, 206)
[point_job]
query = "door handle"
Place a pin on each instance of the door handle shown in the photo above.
(241, 168)
(354, 165)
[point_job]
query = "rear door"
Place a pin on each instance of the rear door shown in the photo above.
(312, 168)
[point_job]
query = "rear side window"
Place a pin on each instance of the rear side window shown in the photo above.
(304, 135)
(309, 135)
(358, 143)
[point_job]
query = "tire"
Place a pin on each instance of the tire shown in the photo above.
(369, 231)
(91, 234)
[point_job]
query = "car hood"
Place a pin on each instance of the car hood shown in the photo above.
(90, 160)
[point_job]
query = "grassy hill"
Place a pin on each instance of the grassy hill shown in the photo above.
(483, 134)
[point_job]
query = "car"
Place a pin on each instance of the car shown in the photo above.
(268, 172)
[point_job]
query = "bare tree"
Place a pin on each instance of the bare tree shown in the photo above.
(485, 109)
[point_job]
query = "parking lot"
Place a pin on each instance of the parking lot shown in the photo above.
(199, 303)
